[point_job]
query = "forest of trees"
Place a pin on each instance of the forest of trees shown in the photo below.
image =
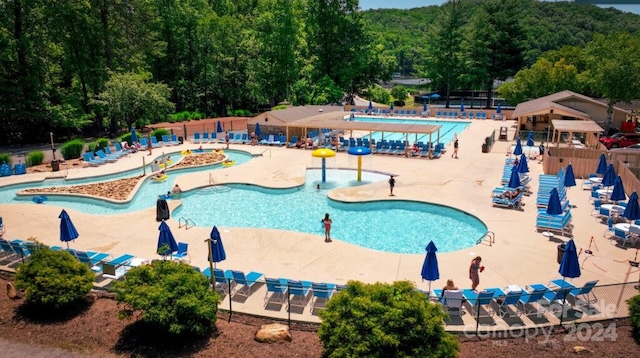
(86, 67)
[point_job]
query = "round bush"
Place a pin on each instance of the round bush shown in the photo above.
(158, 133)
(171, 296)
(5, 158)
(384, 320)
(634, 315)
(72, 149)
(35, 158)
(53, 279)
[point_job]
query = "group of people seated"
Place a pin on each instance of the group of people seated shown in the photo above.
(509, 194)
(132, 148)
(304, 143)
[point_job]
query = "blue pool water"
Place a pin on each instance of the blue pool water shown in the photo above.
(392, 226)
(448, 130)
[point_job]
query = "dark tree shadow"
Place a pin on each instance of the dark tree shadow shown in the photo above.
(146, 340)
(45, 314)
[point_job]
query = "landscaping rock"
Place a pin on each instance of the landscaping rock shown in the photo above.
(273, 333)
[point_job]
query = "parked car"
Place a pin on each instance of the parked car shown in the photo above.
(620, 140)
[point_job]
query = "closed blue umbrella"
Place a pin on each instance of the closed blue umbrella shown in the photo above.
(569, 267)
(553, 207)
(391, 106)
(632, 211)
(609, 176)
(430, 270)
(569, 177)
(499, 109)
(523, 167)
(68, 232)
(134, 136)
(518, 148)
(462, 106)
(424, 106)
(257, 130)
(618, 193)
(514, 181)
(602, 165)
(370, 105)
(216, 249)
(219, 128)
(530, 142)
(166, 238)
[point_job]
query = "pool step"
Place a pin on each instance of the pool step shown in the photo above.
(214, 189)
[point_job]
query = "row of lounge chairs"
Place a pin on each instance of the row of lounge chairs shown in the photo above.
(213, 137)
(538, 299)
(560, 224)
(105, 155)
(391, 112)
(498, 195)
(463, 115)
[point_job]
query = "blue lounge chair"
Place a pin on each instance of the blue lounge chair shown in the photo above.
(222, 280)
(155, 143)
(21, 250)
(183, 252)
(196, 138)
(482, 300)
(105, 157)
(116, 155)
(556, 299)
(144, 143)
(276, 291)
(322, 293)
(265, 141)
(113, 267)
(300, 292)
(174, 140)
(584, 294)
(510, 301)
(529, 299)
(472, 115)
(246, 281)
(90, 160)
(205, 137)
(7, 250)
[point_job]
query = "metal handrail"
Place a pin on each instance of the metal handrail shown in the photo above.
(490, 235)
(186, 222)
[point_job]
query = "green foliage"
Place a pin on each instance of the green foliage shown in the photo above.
(158, 133)
(53, 279)
(399, 93)
(35, 158)
(279, 107)
(186, 116)
(634, 315)
(378, 94)
(241, 113)
(5, 158)
(72, 149)
(170, 295)
(384, 320)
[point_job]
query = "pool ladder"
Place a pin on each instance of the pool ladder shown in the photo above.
(185, 222)
(490, 236)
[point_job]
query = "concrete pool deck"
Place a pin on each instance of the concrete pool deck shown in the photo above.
(520, 254)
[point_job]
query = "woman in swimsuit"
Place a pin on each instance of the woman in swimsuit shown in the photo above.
(327, 228)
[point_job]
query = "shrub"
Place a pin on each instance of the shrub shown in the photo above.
(54, 279)
(102, 143)
(158, 133)
(278, 107)
(92, 147)
(35, 158)
(384, 320)
(5, 158)
(634, 315)
(72, 149)
(171, 296)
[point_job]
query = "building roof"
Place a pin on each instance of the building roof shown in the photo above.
(542, 105)
(573, 126)
(330, 120)
(291, 114)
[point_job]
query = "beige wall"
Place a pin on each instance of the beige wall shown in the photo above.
(598, 113)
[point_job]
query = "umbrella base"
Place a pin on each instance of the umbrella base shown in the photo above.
(548, 234)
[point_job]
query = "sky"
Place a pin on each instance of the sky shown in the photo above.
(409, 4)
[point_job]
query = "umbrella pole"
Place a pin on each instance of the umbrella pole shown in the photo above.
(429, 288)
(324, 170)
(564, 301)
(359, 168)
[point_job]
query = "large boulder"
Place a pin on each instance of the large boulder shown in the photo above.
(273, 333)
(12, 293)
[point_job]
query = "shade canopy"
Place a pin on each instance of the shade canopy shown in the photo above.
(68, 231)
(217, 249)
(514, 180)
(166, 238)
(359, 151)
(632, 211)
(618, 194)
(553, 206)
(430, 271)
(134, 136)
(569, 266)
(569, 177)
(518, 148)
(323, 153)
(602, 165)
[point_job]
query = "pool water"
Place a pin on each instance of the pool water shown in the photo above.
(447, 132)
(392, 226)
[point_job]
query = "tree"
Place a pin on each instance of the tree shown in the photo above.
(171, 296)
(399, 93)
(444, 61)
(130, 97)
(53, 279)
(613, 70)
(384, 320)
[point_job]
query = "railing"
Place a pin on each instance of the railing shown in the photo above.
(185, 222)
(211, 181)
(490, 235)
(268, 150)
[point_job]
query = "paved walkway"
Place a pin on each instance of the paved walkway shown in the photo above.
(519, 256)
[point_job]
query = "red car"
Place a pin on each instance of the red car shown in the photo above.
(620, 140)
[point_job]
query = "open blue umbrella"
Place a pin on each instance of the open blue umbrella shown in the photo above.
(523, 167)
(68, 232)
(569, 177)
(518, 148)
(219, 128)
(134, 136)
(569, 267)
(499, 109)
(632, 211)
(618, 193)
(602, 165)
(609, 177)
(514, 181)
(430, 270)
(435, 96)
(462, 106)
(216, 250)
(166, 238)
(257, 129)
(530, 142)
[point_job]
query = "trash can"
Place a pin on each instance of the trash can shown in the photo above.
(561, 249)
(55, 165)
(181, 140)
(485, 148)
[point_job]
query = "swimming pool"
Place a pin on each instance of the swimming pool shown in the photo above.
(389, 225)
(447, 131)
